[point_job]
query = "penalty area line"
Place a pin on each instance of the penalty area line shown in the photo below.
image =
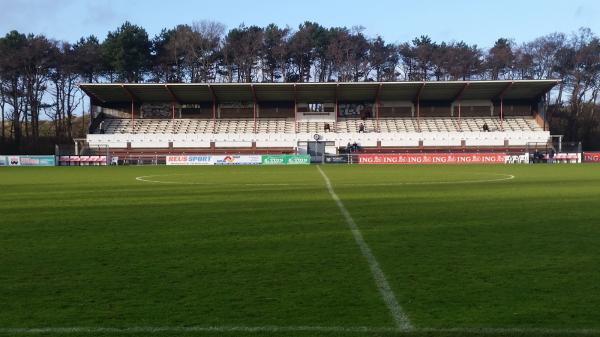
(400, 318)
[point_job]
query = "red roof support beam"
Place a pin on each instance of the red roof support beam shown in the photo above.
(501, 97)
(457, 98)
(417, 99)
(254, 104)
(214, 107)
(174, 99)
(295, 110)
(377, 106)
(337, 106)
(133, 99)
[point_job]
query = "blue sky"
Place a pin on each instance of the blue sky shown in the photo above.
(476, 22)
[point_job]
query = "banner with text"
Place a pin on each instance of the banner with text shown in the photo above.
(285, 159)
(237, 160)
(433, 158)
(591, 157)
(27, 161)
(190, 160)
(337, 159)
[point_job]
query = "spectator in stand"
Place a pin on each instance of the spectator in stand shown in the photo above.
(361, 128)
(536, 156)
(326, 128)
(551, 156)
(101, 127)
(485, 127)
(354, 147)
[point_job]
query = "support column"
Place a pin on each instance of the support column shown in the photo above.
(501, 97)
(502, 113)
(377, 105)
(417, 99)
(458, 98)
(253, 105)
(337, 107)
(419, 114)
(214, 116)
(214, 108)
(174, 100)
(133, 100)
(295, 110)
(459, 124)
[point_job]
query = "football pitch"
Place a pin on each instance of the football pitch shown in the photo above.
(300, 251)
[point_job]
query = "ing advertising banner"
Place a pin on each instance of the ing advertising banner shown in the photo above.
(591, 157)
(433, 158)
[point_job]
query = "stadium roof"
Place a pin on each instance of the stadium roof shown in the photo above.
(188, 93)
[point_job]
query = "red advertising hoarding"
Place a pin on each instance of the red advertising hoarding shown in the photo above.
(591, 157)
(433, 158)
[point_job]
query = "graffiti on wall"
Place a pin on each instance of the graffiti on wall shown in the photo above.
(355, 110)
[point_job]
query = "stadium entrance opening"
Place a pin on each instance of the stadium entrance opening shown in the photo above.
(316, 150)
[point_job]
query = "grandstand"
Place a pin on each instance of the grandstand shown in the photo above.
(289, 117)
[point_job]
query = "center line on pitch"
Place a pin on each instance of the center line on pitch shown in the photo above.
(400, 318)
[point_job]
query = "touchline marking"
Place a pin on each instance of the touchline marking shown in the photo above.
(400, 319)
(274, 328)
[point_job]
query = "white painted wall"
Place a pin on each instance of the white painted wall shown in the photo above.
(341, 139)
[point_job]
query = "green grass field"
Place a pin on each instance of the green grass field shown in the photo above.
(267, 251)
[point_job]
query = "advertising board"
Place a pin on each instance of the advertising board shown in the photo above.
(285, 159)
(237, 160)
(27, 161)
(591, 157)
(82, 160)
(433, 158)
(190, 160)
(337, 159)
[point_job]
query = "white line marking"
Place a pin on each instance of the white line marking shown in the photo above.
(400, 319)
(153, 329)
(273, 328)
(145, 179)
(503, 177)
(513, 331)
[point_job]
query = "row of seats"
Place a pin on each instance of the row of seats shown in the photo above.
(440, 124)
(196, 126)
(283, 125)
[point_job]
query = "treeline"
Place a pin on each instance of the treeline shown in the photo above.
(39, 75)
